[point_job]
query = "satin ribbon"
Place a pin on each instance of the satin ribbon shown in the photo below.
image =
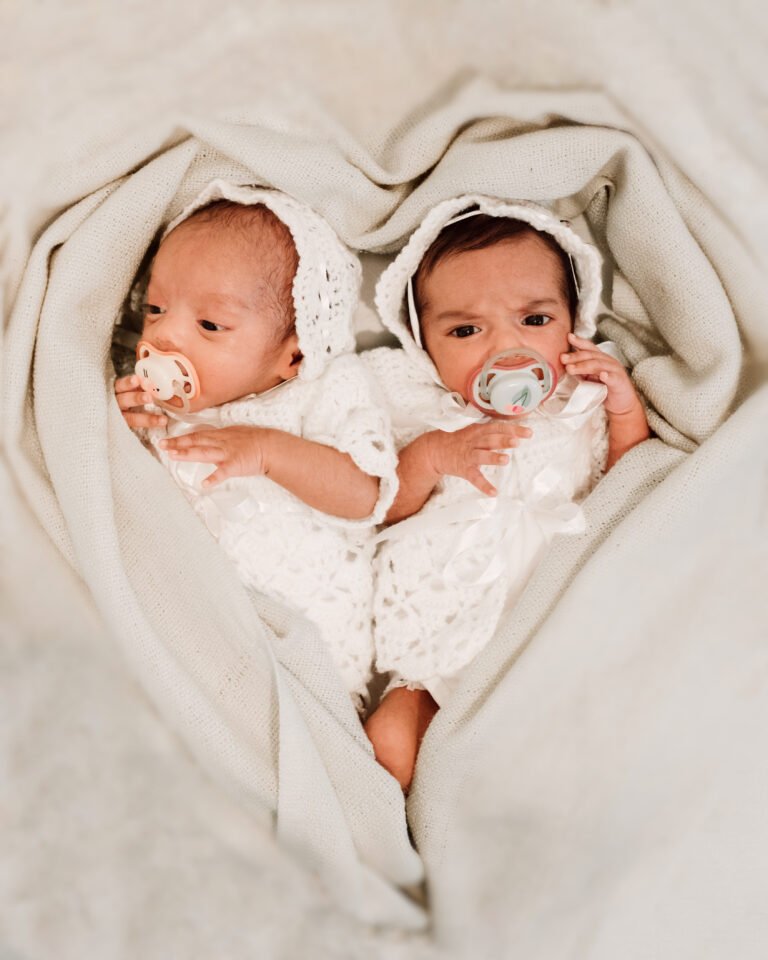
(585, 398)
(577, 401)
(217, 506)
(516, 528)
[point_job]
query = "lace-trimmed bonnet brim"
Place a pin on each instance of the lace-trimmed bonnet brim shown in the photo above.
(327, 282)
(391, 289)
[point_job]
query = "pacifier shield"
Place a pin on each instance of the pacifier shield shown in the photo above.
(512, 383)
(169, 376)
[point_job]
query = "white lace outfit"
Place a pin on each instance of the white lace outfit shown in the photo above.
(445, 575)
(318, 564)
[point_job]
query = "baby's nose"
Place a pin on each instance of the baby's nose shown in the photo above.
(509, 340)
(165, 344)
(165, 333)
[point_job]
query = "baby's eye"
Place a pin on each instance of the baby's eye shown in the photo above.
(153, 309)
(210, 325)
(466, 331)
(536, 320)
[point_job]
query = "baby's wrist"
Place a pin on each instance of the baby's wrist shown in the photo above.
(635, 413)
(430, 449)
(268, 443)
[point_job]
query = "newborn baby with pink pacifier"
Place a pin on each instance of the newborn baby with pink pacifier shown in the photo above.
(505, 415)
(251, 394)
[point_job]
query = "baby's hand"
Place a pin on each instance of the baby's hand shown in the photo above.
(237, 451)
(461, 454)
(592, 364)
(131, 399)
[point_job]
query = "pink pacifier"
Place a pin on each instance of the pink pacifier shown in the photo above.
(512, 383)
(168, 376)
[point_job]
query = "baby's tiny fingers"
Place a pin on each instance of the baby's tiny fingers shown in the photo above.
(200, 438)
(514, 427)
(613, 376)
(133, 398)
(580, 341)
(200, 454)
(501, 441)
(490, 458)
(219, 475)
(475, 477)
(576, 355)
(584, 367)
(126, 383)
(136, 419)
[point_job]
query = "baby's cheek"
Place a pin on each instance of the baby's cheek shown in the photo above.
(457, 378)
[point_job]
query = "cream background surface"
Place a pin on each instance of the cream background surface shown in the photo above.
(117, 840)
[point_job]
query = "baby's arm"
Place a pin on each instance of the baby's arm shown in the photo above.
(321, 476)
(627, 423)
(437, 453)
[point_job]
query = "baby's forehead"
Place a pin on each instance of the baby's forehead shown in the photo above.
(229, 263)
(247, 227)
(524, 261)
(261, 245)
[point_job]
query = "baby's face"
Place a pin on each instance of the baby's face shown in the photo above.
(209, 299)
(507, 296)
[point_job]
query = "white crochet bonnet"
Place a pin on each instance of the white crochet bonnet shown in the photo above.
(392, 287)
(327, 282)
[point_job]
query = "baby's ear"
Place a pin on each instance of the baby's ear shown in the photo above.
(289, 357)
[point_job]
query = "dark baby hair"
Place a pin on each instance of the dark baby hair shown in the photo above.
(479, 232)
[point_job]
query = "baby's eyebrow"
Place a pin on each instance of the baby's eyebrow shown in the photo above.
(231, 300)
(457, 315)
(538, 304)
(452, 315)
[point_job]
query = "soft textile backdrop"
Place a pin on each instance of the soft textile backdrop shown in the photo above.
(599, 795)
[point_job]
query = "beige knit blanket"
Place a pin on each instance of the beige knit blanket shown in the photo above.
(597, 786)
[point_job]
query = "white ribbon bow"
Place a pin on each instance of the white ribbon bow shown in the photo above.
(220, 504)
(505, 532)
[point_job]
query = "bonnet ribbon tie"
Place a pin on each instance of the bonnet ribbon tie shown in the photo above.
(584, 399)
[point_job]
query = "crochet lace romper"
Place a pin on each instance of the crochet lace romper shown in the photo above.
(318, 564)
(445, 575)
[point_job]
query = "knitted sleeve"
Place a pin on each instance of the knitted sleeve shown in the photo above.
(411, 397)
(346, 411)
